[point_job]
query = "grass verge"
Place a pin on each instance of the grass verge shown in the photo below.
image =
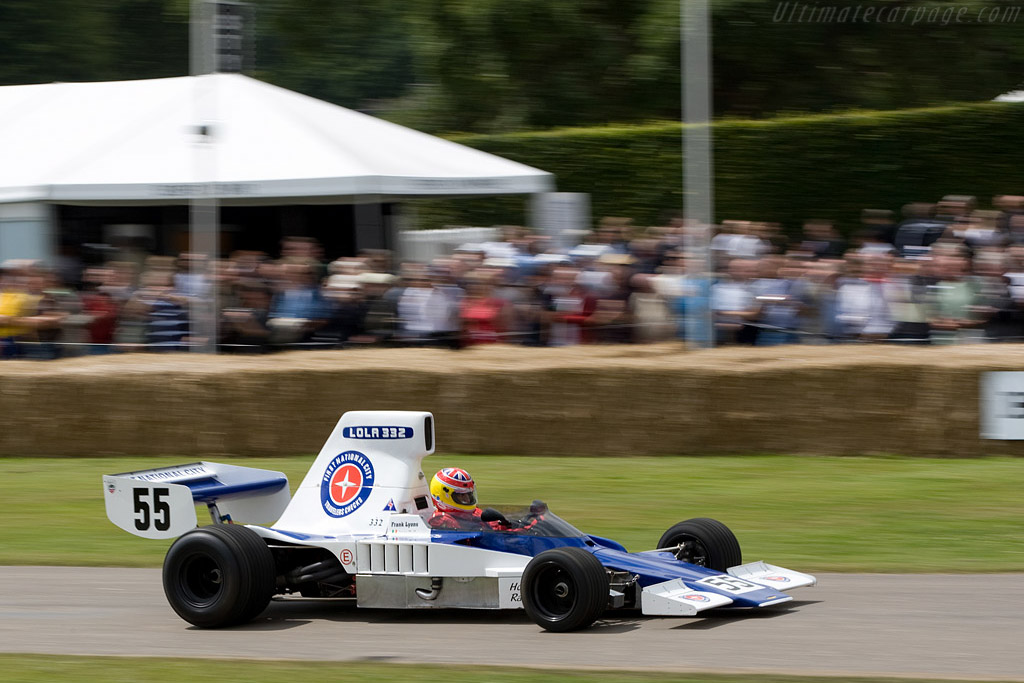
(812, 514)
(44, 669)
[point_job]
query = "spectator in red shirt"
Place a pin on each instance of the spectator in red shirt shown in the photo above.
(484, 316)
(101, 307)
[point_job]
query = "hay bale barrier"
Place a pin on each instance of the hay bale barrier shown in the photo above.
(600, 400)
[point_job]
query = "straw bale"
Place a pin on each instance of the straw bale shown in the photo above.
(599, 400)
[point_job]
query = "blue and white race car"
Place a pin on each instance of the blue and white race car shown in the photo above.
(357, 529)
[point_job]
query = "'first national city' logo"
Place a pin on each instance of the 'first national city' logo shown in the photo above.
(346, 484)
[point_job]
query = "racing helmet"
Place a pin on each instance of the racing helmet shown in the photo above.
(453, 489)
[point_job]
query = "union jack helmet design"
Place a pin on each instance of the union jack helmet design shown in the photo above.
(453, 489)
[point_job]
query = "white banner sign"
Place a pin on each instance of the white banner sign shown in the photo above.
(565, 216)
(1002, 405)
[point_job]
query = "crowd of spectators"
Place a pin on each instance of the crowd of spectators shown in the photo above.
(946, 273)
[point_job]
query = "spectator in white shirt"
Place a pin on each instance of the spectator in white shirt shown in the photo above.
(734, 304)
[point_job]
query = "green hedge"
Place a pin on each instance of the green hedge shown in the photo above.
(786, 170)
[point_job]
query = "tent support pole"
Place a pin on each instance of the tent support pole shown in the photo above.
(698, 175)
(204, 211)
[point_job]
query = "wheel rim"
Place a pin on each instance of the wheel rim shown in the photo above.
(554, 592)
(201, 579)
(691, 550)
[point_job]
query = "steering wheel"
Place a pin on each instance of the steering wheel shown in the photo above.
(491, 515)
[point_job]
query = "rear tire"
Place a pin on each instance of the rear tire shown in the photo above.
(705, 542)
(219, 575)
(565, 589)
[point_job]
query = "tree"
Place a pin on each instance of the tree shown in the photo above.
(532, 63)
(542, 63)
(348, 52)
(60, 40)
(494, 65)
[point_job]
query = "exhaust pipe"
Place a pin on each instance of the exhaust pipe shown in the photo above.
(436, 583)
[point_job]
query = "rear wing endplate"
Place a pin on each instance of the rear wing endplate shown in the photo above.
(161, 503)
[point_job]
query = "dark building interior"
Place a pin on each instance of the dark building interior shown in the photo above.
(342, 229)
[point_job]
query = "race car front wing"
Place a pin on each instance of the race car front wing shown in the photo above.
(742, 586)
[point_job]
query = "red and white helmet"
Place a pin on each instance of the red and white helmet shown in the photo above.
(453, 489)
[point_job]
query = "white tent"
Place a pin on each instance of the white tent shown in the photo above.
(137, 141)
(1012, 96)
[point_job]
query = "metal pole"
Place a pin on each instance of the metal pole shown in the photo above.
(203, 207)
(698, 179)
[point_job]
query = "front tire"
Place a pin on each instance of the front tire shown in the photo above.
(565, 589)
(705, 542)
(219, 575)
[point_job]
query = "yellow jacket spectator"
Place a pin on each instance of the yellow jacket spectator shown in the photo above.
(14, 303)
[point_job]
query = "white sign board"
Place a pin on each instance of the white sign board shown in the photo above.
(561, 215)
(1002, 405)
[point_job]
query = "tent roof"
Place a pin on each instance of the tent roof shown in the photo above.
(1012, 96)
(138, 141)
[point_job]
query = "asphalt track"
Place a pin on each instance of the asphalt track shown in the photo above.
(927, 626)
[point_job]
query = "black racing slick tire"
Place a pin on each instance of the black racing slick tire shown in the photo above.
(565, 589)
(219, 575)
(705, 542)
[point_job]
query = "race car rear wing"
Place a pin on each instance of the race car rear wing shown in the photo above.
(161, 503)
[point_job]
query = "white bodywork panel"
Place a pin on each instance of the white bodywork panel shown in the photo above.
(674, 598)
(392, 565)
(383, 556)
(368, 469)
(776, 578)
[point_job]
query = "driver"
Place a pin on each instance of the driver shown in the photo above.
(454, 494)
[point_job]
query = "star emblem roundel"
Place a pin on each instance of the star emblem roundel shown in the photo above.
(346, 484)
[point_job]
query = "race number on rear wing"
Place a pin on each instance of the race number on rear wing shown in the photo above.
(160, 503)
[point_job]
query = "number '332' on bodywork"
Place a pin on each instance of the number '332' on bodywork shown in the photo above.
(356, 529)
